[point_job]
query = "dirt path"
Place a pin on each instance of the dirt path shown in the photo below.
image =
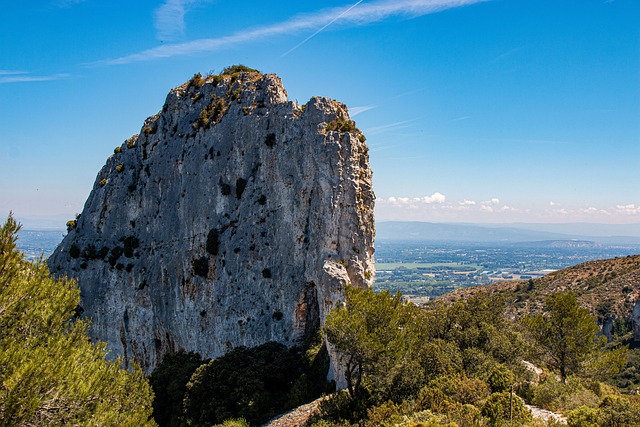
(298, 416)
(295, 417)
(545, 415)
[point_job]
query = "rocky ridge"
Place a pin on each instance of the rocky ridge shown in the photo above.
(236, 217)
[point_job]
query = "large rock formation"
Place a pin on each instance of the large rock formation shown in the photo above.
(235, 218)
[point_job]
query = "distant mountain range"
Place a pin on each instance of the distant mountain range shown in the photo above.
(543, 234)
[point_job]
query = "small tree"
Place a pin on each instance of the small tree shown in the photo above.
(566, 331)
(374, 333)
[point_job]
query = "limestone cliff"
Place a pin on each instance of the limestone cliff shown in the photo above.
(236, 217)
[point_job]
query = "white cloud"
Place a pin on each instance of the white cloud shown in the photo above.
(434, 198)
(68, 3)
(388, 127)
(169, 19)
(493, 202)
(594, 211)
(24, 77)
(354, 111)
(406, 201)
(437, 208)
(355, 16)
(630, 209)
(11, 72)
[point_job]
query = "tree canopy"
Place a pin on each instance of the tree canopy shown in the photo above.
(50, 372)
(566, 331)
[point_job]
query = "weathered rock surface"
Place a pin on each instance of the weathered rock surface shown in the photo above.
(235, 218)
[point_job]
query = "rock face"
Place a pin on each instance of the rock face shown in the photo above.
(235, 218)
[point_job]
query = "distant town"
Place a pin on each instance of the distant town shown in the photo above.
(421, 271)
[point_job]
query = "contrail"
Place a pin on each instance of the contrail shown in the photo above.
(369, 12)
(320, 30)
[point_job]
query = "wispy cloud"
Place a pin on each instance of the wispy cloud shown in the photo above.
(24, 77)
(354, 111)
(169, 18)
(67, 3)
(388, 127)
(11, 72)
(356, 16)
(507, 54)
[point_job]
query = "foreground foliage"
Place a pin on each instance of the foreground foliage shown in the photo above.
(462, 364)
(50, 373)
(247, 386)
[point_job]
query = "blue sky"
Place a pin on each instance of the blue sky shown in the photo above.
(475, 111)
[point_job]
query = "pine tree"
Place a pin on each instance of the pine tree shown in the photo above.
(50, 372)
(566, 331)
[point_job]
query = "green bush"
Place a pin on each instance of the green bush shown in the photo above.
(236, 69)
(71, 225)
(583, 416)
(388, 414)
(618, 411)
(212, 113)
(556, 396)
(501, 378)
(461, 388)
(433, 399)
(195, 81)
(169, 382)
(504, 407)
(440, 357)
(341, 125)
(234, 422)
(250, 383)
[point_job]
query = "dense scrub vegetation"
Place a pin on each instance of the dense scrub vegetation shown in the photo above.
(458, 364)
(50, 373)
(249, 384)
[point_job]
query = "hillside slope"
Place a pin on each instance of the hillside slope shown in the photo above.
(609, 288)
